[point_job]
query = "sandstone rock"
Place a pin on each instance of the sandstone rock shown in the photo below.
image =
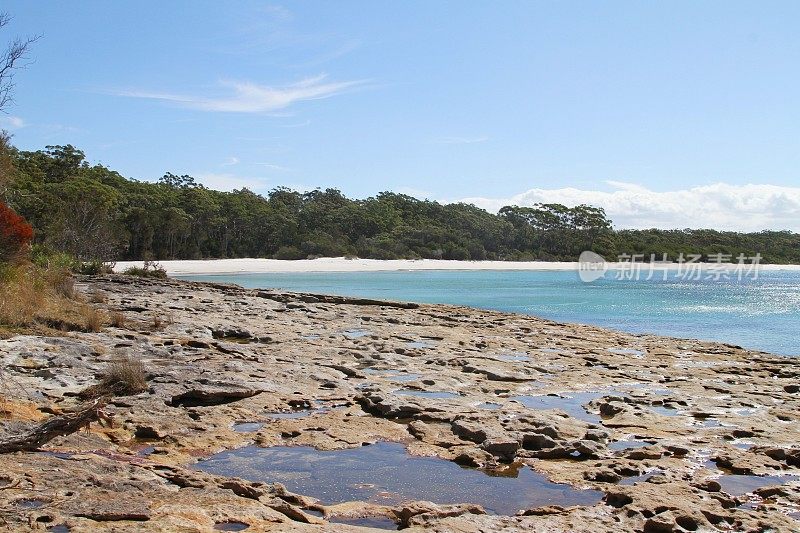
(505, 448)
(537, 441)
(471, 431)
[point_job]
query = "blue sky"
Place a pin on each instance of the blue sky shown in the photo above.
(690, 108)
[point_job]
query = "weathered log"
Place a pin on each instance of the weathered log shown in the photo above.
(55, 426)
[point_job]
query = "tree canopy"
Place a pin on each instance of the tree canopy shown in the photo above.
(92, 212)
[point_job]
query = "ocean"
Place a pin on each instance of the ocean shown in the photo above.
(761, 313)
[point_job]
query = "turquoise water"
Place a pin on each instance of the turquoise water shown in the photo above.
(761, 314)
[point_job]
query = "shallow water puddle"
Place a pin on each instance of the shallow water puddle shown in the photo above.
(290, 414)
(514, 357)
(146, 451)
(571, 403)
(356, 333)
(628, 444)
(439, 395)
(30, 503)
(664, 410)
(247, 427)
(738, 484)
(419, 344)
(231, 526)
(489, 405)
(385, 473)
(402, 378)
(627, 351)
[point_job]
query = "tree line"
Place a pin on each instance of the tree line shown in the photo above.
(94, 213)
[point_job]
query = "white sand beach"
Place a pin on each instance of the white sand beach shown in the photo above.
(341, 264)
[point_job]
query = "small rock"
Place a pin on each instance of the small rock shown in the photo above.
(505, 448)
(709, 485)
(596, 435)
(602, 476)
(660, 524)
(537, 441)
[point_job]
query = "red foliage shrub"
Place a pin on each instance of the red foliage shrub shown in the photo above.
(15, 233)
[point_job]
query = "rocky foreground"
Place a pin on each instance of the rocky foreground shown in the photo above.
(670, 432)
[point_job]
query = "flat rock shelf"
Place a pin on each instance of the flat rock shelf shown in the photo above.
(278, 411)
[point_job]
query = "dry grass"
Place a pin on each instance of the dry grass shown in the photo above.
(161, 320)
(124, 376)
(36, 300)
(92, 318)
(98, 297)
(117, 319)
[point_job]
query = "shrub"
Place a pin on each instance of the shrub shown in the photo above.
(95, 268)
(43, 257)
(15, 234)
(149, 269)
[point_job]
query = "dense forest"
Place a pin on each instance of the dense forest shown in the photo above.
(94, 213)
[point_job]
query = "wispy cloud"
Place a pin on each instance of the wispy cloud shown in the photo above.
(717, 206)
(272, 166)
(227, 182)
(231, 161)
(12, 122)
(462, 140)
(250, 97)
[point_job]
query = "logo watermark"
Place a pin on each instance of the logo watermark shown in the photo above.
(685, 267)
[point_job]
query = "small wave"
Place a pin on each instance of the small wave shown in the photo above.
(701, 308)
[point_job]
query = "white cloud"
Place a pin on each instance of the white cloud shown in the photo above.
(231, 161)
(249, 97)
(718, 206)
(12, 122)
(462, 140)
(229, 182)
(274, 167)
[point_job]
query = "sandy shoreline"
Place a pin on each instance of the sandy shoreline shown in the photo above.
(340, 264)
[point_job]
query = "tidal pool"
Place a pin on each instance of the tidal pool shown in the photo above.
(738, 484)
(247, 427)
(570, 402)
(419, 344)
(357, 333)
(628, 444)
(664, 410)
(385, 473)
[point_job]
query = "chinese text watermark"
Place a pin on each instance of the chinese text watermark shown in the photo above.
(686, 267)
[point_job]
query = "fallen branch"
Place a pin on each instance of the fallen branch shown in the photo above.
(55, 426)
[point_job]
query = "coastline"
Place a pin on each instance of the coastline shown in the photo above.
(341, 264)
(610, 418)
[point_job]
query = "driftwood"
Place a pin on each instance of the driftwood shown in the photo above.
(55, 426)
